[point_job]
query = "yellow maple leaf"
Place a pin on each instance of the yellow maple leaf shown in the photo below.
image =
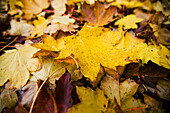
(49, 43)
(39, 26)
(59, 6)
(98, 45)
(129, 21)
(13, 66)
(91, 101)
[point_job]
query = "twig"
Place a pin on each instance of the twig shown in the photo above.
(118, 89)
(9, 43)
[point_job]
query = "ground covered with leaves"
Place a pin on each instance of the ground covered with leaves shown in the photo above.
(84, 56)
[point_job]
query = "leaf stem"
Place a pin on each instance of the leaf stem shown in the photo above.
(35, 97)
(9, 43)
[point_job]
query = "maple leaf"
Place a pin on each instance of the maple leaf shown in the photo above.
(13, 4)
(13, 66)
(50, 69)
(129, 21)
(97, 45)
(33, 7)
(164, 57)
(20, 28)
(97, 15)
(39, 26)
(91, 101)
(49, 43)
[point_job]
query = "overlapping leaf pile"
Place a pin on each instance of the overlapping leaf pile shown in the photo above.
(81, 49)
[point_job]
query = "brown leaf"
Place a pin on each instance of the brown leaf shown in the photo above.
(63, 93)
(45, 102)
(45, 53)
(97, 15)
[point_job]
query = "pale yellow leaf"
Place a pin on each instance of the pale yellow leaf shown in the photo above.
(59, 6)
(20, 28)
(13, 66)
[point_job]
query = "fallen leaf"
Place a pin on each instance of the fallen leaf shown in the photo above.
(18, 109)
(164, 57)
(50, 69)
(63, 92)
(29, 92)
(33, 64)
(49, 43)
(127, 89)
(39, 26)
(8, 99)
(13, 66)
(59, 6)
(13, 6)
(65, 19)
(20, 28)
(45, 102)
(32, 7)
(129, 21)
(45, 53)
(91, 101)
(127, 3)
(97, 15)
(55, 27)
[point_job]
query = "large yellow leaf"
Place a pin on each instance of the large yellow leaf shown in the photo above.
(164, 57)
(13, 66)
(95, 46)
(91, 101)
(50, 69)
(129, 21)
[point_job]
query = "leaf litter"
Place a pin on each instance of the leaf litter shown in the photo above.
(80, 63)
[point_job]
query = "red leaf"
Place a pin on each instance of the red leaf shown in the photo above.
(63, 93)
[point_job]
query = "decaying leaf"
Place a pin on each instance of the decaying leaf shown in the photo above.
(13, 66)
(129, 21)
(33, 7)
(97, 15)
(91, 101)
(33, 64)
(51, 69)
(20, 28)
(39, 26)
(8, 99)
